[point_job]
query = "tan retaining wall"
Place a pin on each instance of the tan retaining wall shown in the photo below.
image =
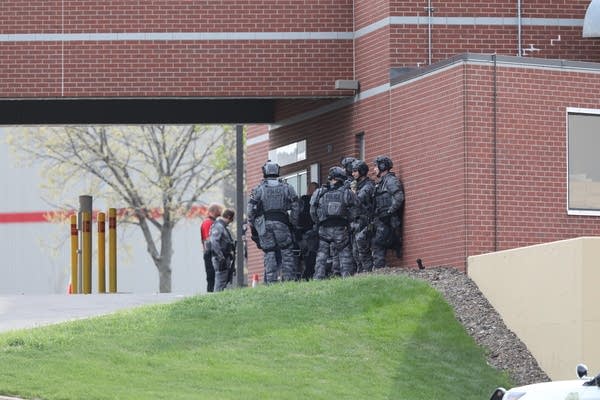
(548, 295)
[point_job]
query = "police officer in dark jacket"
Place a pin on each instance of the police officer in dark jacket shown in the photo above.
(388, 213)
(222, 247)
(364, 187)
(273, 211)
(333, 207)
(306, 236)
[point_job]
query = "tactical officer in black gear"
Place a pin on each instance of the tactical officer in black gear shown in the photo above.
(306, 235)
(273, 210)
(333, 207)
(347, 163)
(364, 187)
(388, 212)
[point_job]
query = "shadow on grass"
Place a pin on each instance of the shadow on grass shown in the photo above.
(441, 361)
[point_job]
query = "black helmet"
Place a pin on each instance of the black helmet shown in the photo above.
(337, 173)
(347, 162)
(361, 167)
(270, 169)
(383, 163)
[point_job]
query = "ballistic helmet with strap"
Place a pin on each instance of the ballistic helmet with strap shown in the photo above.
(383, 163)
(337, 173)
(270, 169)
(347, 162)
(361, 167)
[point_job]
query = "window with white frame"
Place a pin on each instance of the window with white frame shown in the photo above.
(360, 144)
(289, 154)
(299, 181)
(583, 143)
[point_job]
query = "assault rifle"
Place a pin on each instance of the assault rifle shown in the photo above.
(231, 269)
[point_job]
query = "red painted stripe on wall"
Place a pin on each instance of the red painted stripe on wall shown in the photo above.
(48, 216)
(22, 217)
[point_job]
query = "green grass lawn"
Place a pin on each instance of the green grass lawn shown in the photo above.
(368, 337)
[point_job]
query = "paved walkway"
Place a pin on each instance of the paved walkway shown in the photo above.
(29, 311)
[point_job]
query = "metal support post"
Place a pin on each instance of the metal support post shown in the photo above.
(74, 254)
(86, 252)
(101, 253)
(85, 257)
(112, 250)
(239, 203)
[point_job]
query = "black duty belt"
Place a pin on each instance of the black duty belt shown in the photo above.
(277, 216)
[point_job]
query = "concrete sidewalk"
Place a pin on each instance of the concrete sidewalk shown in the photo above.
(29, 311)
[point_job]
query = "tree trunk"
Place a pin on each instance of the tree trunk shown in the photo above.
(166, 255)
(164, 277)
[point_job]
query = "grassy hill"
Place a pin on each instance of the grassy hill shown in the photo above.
(368, 337)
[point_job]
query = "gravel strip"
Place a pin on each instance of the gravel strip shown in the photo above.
(504, 349)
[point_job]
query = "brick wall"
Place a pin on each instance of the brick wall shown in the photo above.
(532, 160)
(367, 12)
(486, 8)
(180, 68)
(42, 65)
(440, 132)
(46, 16)
(428, 150)
(409, 44)
(147, 67)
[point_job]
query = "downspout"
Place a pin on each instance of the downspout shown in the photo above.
(353, 39)
(466, 167)
(429, 10)
(519, 32)
(495, 141)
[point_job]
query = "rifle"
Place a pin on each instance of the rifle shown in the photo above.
(231, 269)
(254, 236)
(371, 213)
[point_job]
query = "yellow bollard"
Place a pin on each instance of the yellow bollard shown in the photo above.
(112, 250)
(101, 253)
(74, 250)
(86, 232)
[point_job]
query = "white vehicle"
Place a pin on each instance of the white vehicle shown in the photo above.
(585, 388)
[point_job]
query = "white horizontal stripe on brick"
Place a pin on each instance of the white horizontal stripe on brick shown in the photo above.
(172, 36)
(382, 23)
(258, 139)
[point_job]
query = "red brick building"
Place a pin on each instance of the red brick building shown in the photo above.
(473, 106)
(472, 100)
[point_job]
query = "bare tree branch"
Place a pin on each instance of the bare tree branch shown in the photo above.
(149, 168)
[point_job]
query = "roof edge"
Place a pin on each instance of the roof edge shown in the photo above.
(403, 74)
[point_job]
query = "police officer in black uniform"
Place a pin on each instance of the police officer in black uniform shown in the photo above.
(273, 211)
(364, 187)
(388, 200)
(333, 207)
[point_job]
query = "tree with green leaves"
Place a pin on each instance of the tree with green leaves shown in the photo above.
(158, 173)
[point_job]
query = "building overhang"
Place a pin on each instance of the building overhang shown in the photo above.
(136, 111)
